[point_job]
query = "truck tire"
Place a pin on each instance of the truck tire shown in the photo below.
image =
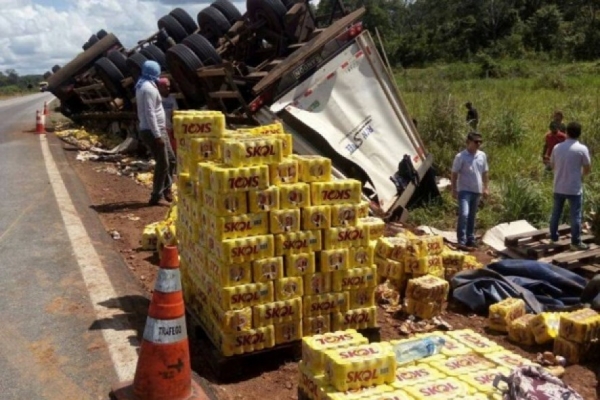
(203, 49)
(229, 11)
(173, 28)
(55, 68)
(213, 24)
(135, 62)
(270, 11)
(288, 3)
(86, 46)
(120, 61)
(110, 75)
(184, 19)
(82, 62)
(153, 52)
(101, 33)
(183, 64)
(93, 40)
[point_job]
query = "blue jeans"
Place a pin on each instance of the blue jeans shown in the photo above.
(467, 209)
(576, 206)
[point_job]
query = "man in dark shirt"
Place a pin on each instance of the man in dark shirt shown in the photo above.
(472, 116)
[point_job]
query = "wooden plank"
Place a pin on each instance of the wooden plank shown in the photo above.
(312, 47)
(513, 240)
(580, 256)
(224, 94)
(538, 250)
(209, 72)
(95, 86)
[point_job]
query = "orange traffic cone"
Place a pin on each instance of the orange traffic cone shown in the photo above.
(40, 122)
(46, 111)
(163, 370)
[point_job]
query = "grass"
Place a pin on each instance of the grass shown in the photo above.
(514, 111)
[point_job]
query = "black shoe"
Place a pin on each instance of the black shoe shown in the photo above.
(154, 200)
(471, 244)
(168, 195)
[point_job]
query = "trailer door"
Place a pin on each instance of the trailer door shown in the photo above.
(353, 103)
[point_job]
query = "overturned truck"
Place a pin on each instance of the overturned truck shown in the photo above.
(323, 78)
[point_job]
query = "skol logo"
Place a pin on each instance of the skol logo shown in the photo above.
(335, 338)
(295, 244)
(356, 318)
(359, 352)
(336, 194)
(411, 375)
(322, 306)
(353, 281)
(239, 226)
(248, 340)
(279, 311)
(244, 251)
(260, 151)
(195, 128)
(350, 235)
(244, 182)
(361, 376)
(435, 389)
(245, 297)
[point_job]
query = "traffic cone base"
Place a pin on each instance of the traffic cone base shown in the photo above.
(163, 369)
(125, 392)
(46, 112)
(40, 123)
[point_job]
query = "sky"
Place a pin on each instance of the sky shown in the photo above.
(38, 34)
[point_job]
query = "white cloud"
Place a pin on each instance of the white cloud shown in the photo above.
(37, 34)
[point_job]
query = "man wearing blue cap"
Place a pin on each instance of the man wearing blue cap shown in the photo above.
(153, 131)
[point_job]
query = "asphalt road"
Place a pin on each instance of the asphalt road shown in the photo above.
(64, 292)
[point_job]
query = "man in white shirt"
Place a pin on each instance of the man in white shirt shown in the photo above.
(570, 161)
(153, 132)
(169, 103)
(469, 181)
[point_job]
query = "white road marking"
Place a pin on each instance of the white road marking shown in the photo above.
(119, 336)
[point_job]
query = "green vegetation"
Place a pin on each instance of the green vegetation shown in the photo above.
(12, 84)
(419, 32)
(515, 112)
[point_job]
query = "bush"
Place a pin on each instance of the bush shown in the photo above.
(551, 80)
(507, 129)
(523, 198)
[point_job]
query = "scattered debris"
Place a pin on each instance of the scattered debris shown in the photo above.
(115, 235)
(411, 326)
(388, 297)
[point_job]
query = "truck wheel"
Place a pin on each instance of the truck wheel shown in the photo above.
(203, 49)
(101, 33)
(183, 64)
(288, 3)
(110, 75)
(55, 68)
(184, 19)
(213, 24)
(93, 40)
(173, 28)
(135, 62)
(120, 61)
(86, 46)
(229, 11)
(270, 11)
(152, 52)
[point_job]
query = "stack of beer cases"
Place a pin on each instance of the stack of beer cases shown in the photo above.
(578, 337)
(272, 248)
(341, 366)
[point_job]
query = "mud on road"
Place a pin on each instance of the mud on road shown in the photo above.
(121, 204)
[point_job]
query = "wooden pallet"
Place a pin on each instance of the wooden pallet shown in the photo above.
(585, 262)
(227, 369)
(536, 245)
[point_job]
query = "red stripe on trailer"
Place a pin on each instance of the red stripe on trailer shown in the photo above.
(358, 54)
(330, 75)
(308, 93)
(368, 50)
(344, 65)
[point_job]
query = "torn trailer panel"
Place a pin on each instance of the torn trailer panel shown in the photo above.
(350, 110)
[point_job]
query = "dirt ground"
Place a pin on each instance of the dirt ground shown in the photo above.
(121, 206)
